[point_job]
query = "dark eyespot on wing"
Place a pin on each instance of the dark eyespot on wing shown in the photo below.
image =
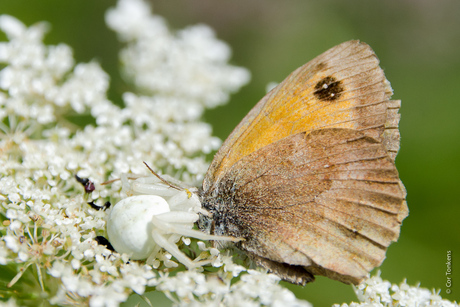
(328, 89)
(319, 67)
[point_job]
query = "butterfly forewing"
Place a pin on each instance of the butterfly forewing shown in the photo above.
(344, 87)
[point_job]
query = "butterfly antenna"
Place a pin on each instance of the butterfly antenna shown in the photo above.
(163, 180)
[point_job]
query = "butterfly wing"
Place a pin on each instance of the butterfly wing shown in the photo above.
(343, 87)
(308, 177)
(329, 201)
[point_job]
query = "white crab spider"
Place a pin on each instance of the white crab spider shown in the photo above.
(155, 215)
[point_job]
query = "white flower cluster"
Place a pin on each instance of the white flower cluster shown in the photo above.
(255, 288)
(187, 68)
(48, 231)
(376, 292)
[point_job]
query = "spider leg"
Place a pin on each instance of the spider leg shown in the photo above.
(173, 249)
(166, 223)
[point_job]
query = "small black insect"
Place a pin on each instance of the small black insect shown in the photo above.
(103, 241)
(96, 207)
(87, 184)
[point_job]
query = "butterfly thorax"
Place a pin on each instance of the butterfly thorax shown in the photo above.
(223, 213)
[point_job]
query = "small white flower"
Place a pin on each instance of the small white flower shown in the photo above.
(14, 197)
(11, 26)
(106, 296)
(23, 256)
(4, 255)
(15, 225)
(75, 264)
(58, 269)
(12, 243)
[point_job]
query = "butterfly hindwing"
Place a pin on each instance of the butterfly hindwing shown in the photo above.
(329, 201)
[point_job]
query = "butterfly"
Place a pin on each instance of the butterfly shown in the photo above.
(307, 180)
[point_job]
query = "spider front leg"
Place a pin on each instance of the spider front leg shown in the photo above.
(177, 222)
(172, 248)
(180, 223)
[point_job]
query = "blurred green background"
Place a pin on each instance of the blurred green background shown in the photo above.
(418, 45)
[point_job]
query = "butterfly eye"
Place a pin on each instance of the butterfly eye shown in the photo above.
(155, 218)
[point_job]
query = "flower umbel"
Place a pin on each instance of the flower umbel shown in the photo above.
(48, 249)
(381, 293)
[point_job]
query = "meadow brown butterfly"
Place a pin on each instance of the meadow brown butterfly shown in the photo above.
(308, 179)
